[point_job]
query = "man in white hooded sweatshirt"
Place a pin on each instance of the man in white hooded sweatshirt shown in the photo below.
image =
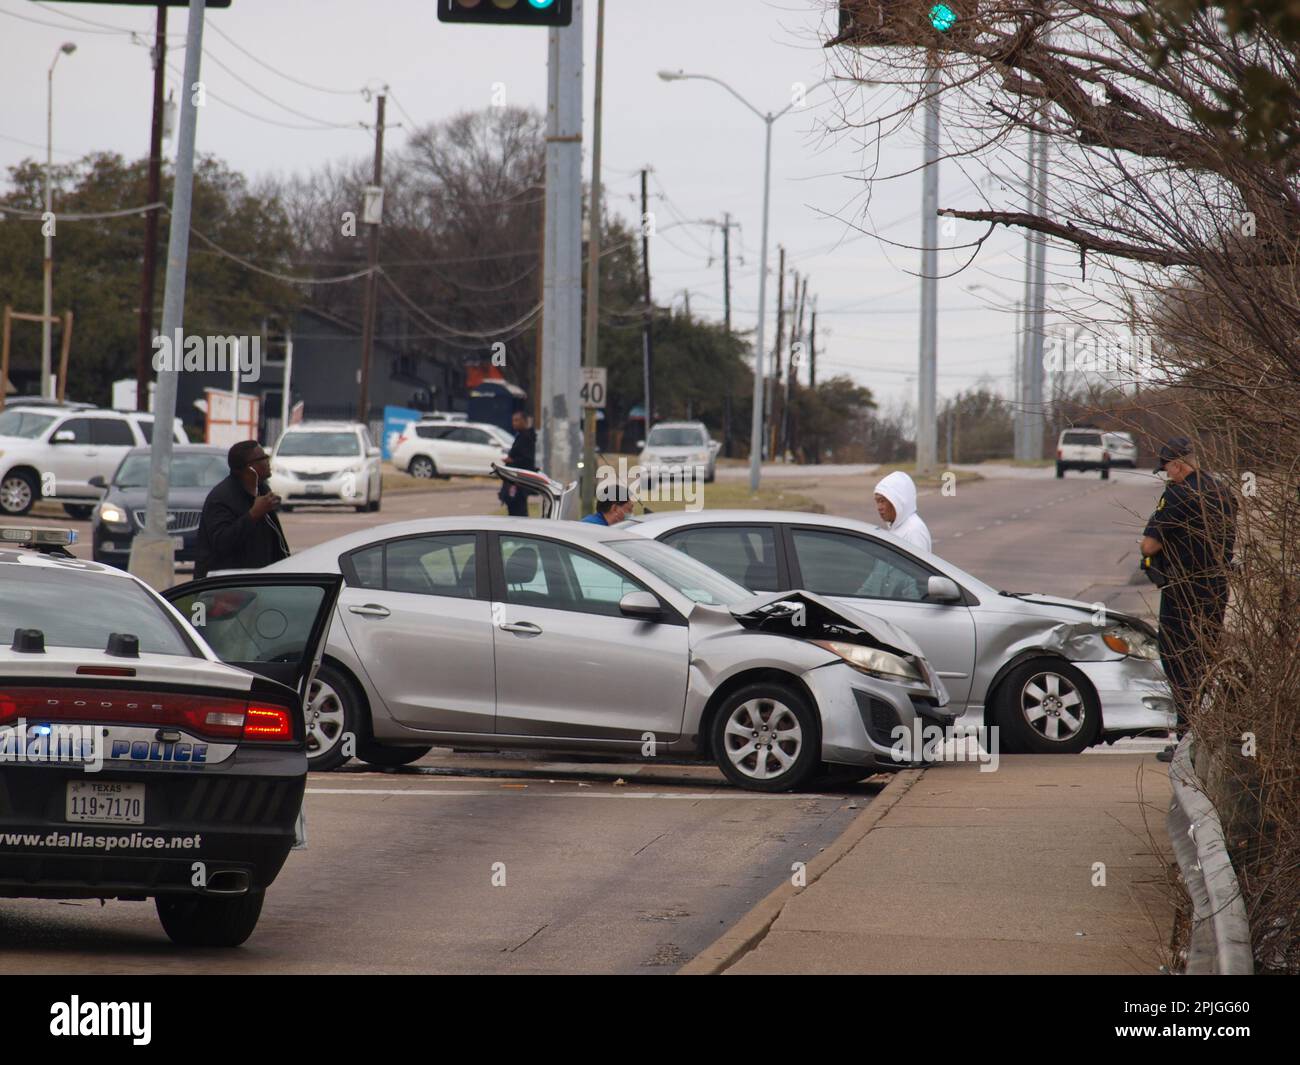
(896, 504)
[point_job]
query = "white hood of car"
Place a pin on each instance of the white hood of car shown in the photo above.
(318, 463)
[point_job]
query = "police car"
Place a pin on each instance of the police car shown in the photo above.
(152, 746)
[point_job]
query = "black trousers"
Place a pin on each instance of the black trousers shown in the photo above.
(1191, 622)
(516, 500)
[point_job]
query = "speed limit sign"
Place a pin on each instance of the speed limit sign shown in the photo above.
(593, 386)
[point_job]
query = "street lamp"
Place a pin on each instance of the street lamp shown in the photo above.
(756, 422)
(67, 48)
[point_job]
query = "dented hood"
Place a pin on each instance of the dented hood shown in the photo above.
(821, 617)
(1069, 608)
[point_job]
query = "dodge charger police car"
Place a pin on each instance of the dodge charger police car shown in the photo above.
(152, 746)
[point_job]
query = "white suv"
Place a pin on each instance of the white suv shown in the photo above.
(679, 449)
(53, 452)
(1082, 449)
(327, 464)
(443, 448)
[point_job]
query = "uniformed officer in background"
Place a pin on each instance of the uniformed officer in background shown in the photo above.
(1190, 539)
(523, 455)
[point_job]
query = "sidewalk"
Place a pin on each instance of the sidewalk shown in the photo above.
(955, 871)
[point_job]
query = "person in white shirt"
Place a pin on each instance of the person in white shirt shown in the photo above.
(896, 505)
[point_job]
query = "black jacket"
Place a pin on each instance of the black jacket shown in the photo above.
(229, 539)
(523, 456)
(1196, 524)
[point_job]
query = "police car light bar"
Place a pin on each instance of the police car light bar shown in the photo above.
(13, 534)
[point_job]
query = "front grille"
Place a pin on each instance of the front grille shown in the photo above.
(314, 476)
(878, 716)
(178, 521)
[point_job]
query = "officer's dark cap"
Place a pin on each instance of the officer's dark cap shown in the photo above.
(1174, 448)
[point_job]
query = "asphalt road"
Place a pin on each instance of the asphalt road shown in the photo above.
(600, 876)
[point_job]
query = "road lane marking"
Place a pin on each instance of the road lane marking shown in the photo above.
(692, 795)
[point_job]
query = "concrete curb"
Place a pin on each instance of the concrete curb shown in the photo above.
(746, 933)
(1220, 941)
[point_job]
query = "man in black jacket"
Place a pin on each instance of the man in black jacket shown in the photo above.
(523, 455)
(239, 528)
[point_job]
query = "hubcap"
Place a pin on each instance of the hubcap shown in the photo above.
(763, 738)
(15, 494)
(1052, 706)
(325, 719)
(422, 468)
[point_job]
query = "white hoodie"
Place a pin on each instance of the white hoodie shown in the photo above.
(900, 490)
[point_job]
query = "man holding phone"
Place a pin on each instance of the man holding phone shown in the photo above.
(239, 528)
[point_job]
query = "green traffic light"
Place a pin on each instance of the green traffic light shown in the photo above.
(942, 17)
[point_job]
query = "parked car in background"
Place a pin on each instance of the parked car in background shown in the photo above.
(1082, 449)
(446, 449)
(679, 449)
(120, 515)
(1122, 449)
(1055, 675)
(327, 464)
(160, 760)
(497, 633)
(49, 452)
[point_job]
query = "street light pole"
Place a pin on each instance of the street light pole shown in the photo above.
(756, 422)
(47, 265)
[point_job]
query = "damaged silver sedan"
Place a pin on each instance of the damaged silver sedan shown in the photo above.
(494, 633)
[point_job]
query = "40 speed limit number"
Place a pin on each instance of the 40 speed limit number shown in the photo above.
(593, 387)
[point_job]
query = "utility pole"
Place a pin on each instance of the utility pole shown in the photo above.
(153, 558)
(145, 345)
(926, 434)
(812, 377)
(726, 319)
(590, 348)
(776, 353)
(1036, 418)
(792, 369)
(647, 327)
(372, 278)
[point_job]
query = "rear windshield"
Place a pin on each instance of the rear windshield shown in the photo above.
(76, 608)
(1086, 439)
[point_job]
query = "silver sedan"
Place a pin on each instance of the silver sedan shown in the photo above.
(1055, 675)
(509, 633)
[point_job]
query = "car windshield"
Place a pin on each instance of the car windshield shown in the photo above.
(681, 572)
(188, 471)
(675, 437)
(318, 445)
(24, 423)
(77, 608)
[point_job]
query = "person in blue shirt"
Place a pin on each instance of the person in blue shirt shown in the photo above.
(610, 511)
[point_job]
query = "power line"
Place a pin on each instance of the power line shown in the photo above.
(288, 77)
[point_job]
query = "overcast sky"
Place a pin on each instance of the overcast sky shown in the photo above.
(705, 148)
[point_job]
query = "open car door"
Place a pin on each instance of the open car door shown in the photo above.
(272, 624)
(555, 496)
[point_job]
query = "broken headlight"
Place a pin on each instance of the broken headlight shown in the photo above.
(873, 661)
(1132, 642)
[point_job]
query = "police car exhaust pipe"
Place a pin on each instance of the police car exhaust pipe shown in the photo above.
(227, 882)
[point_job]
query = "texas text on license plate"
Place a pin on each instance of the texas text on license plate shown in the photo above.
(105, 803)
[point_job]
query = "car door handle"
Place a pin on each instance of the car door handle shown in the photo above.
(371, 610)
(526, 627)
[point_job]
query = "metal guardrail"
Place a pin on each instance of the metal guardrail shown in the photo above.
(1220, 940)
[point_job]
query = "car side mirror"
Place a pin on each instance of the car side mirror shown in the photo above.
(98, 481)
(942, 590)
(64, 436)
(641, 605)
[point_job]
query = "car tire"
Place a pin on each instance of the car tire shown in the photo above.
(766, 704)
(423, 467)
(1105, 473)
(208, 921)
(18, 491)
(382, 754)
(79, 511)
(334, 709)
(1023, 712)
(1060, 470)
(286, 508)
(379, 499)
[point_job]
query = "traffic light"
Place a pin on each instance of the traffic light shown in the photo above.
(914, 23)
(507, 12)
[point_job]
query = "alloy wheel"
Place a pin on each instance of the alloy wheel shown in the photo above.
(325, 719)
(15, 495)
(763, 738)
(1053, 706)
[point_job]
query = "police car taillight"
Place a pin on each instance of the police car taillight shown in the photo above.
(268, 724)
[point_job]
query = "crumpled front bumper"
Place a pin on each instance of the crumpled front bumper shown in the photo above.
(871, 722)
(1134, 694)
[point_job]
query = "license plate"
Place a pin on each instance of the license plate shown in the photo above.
(314, 489)
(105, 803)
(178, 542)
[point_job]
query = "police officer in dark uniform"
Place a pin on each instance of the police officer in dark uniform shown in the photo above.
(523, 455)
(1189, 541)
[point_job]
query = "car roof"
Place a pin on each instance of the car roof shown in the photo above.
(678, 425)
(322, 427)
(183, 449)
